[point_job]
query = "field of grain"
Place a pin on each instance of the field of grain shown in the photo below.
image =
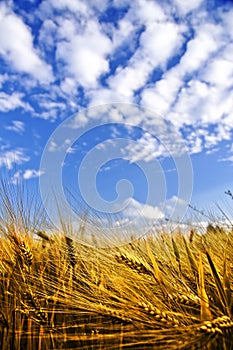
(162, 291)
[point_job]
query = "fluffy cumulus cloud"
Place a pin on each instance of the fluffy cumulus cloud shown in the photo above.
(161, 95)
(16, 46)
(85, 54)
(172, 208)
(146, 211)
(200, 48)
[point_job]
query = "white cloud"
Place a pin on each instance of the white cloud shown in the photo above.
(204, 98)
(68, 86)
(52, 105)
(140, 210)
(31, 173)
(66, 145)
(15, 179)
(121, 3)
(13, 101)
(52, 146)
(195, 143)
(199, 49)
(80, 7)
(67, 28)
(118, 34)
(9, 158)
(3, 78)
(219, 72)
(47, 115)
(25, 175)
(16, 46)
(196, 91)
(159, 42)
(16, 126)
(212, 150)
(129, 79)
(100, 96)
(224, 131)
(190, 103)
(140, 13)
(199, 103)
(85, 54)
(150, 12)
(172, 88)
(162, 95)
(74, 6)
(47, 34)
(227, 21)
(227, 159)
(174, 208)
(187, 6)
(207, 96)
(80, 119)
(146, 148)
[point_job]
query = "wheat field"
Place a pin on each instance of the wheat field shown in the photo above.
(162, 291)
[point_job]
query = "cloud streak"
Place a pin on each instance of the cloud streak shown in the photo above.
(10, 158)
(16, 126)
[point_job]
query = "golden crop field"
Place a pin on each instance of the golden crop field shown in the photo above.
(162, 291)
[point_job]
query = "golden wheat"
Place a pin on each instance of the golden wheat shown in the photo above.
(163, 291)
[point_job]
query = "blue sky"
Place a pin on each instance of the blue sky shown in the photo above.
(170, 62)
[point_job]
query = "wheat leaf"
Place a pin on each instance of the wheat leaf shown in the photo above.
(219, 285)
(156, 270)
(204, 301)
(191, 258)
